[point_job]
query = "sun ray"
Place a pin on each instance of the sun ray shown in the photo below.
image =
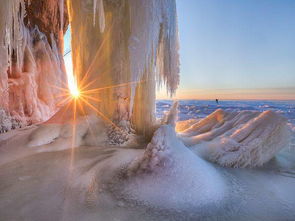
(73, 135)
(108, 87)
(97, 54)
(63, 95)
(92, 98)
(84, 113)
(64, 101)
(65, 109)
(60, 88)
(100, 113)
(83, 87)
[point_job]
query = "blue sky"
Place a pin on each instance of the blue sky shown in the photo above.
(236, 44)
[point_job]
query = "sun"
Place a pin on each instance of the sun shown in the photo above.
(75, 92)
(73, 88)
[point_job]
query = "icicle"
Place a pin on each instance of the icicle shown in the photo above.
(141, 46)
(61, 13)
(70, 11)
(98, 4)
(4, 54)
(154, 23)
(101, 16)
(94, 11)
(11, 39)
(61, 31)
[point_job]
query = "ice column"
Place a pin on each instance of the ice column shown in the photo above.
(130, 43)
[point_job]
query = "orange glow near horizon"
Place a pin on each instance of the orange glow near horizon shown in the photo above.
(232, 94)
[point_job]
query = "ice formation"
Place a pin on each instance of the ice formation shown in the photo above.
(30, 69)
(126, 48)
(121, 51)
(238, 139)
(130, 43)
(82, 168)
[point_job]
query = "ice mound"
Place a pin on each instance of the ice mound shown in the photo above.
(157, 151)
(205, 125)
(182, 125)
(238, 139)
(166, 164)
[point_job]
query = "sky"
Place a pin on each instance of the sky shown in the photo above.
(236, 49)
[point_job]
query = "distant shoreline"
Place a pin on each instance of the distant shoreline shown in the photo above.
(220, 100)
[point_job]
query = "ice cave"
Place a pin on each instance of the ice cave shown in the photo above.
(89, 146)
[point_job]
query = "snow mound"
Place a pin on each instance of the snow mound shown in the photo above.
(87, 130)
(185, 124)
(154, 177)
(157, 152)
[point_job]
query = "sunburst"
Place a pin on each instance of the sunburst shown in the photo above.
(79, 95)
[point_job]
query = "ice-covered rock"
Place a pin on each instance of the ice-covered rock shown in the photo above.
(31, 63)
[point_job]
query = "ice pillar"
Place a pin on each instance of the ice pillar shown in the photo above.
(127, 47)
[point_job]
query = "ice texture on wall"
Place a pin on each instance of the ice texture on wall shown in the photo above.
(31, 68)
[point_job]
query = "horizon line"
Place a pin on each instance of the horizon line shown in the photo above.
(233, 99)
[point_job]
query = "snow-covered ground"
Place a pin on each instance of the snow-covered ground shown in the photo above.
(167, 181)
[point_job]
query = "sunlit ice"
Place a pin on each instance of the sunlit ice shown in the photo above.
(80, 95)
(73, 85)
